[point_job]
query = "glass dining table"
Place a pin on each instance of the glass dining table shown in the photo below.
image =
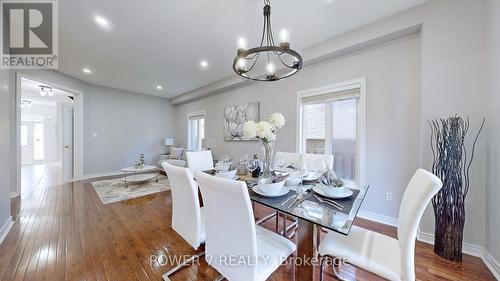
(312, 215)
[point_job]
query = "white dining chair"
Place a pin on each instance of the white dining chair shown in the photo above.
(231, 233)
(314, 162)
(199, 160)
(286, 159)
(187, 215)
(385, 256)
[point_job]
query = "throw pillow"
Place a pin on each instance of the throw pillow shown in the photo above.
(176, 152)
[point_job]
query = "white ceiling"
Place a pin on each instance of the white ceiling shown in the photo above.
(162, 42)
(30, 90)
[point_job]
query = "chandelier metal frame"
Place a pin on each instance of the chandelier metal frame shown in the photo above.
(270, 50)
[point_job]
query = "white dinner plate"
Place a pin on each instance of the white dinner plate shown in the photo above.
(312, 176)
(340, 192)
(284, 190)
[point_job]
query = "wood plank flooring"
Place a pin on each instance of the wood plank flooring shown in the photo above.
(64, 232)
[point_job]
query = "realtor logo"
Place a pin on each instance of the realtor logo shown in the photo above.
(29, 35)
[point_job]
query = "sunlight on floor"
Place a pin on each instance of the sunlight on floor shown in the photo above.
(40, 176)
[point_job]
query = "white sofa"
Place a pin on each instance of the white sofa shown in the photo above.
(176, 162)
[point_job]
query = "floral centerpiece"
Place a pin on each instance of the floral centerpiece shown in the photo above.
(266, 132)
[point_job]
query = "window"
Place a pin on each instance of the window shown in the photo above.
(196, 130)
(332, 122)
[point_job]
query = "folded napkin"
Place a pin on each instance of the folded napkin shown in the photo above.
(330, 178)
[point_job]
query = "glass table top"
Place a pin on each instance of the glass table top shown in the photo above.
(310, 209)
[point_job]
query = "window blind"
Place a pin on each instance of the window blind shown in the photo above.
(331, 97)
(196, 116)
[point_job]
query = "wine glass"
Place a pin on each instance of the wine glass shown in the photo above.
(252, 165)
(280, 164)
(243, 159)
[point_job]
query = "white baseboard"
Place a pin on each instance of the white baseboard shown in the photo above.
(4, 230)
(378, 218)
(491, 263)
(98, 175)
(467, 248)
(470, 249)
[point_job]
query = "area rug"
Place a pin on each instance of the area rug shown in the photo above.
(114, 190)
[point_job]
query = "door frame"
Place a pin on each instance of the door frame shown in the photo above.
(77, 125)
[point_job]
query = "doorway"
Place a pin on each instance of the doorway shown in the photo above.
(46, 135)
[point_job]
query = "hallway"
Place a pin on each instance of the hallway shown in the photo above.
(40, 176)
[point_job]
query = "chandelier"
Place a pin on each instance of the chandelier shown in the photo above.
(46, 91)
(269, 53)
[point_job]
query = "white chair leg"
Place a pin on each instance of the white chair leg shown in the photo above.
(182, 265)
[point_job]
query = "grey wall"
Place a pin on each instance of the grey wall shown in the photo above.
(451, 81)
(493, 130)
(5, 148)
(126, 124)
(392, 143)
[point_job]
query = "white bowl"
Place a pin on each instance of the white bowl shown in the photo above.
(293, 181)
(333, 190)
(227, 175)
(270, 188)
(224, 167)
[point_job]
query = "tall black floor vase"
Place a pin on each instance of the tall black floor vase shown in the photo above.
(451, 163)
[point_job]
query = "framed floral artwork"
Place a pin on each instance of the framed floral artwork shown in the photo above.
(235, 117)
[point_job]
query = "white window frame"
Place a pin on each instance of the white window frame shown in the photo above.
(360, 84)
(189, 116)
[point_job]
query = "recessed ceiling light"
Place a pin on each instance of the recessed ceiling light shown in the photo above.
(204, 64)
(159, 87)
(103, 22)
(86, 70)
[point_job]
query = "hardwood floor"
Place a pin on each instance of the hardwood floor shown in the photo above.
(40, 176)
(64, 232)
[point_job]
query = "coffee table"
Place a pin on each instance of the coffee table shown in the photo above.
(137, 175)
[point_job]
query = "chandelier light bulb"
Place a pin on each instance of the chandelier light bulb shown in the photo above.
(284, 36)
(242, 43)
(270, 69)
(51, 94)
(43, 93)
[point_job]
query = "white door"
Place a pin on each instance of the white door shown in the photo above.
(27, 142)
(67, 143)
(39, 142)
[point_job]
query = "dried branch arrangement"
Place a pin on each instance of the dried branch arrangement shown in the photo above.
(451, 163)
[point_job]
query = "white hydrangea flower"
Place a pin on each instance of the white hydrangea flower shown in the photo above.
(277, 120)
(250, 129)
(264, 130)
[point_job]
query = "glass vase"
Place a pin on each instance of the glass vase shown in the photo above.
(267, 152)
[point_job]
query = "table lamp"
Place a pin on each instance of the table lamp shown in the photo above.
(168, 142)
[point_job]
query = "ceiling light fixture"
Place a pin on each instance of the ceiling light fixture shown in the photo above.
(86, 70)
(103, 23)
(46, 91)
(204, 64)
(290, 59)
(159, 87)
